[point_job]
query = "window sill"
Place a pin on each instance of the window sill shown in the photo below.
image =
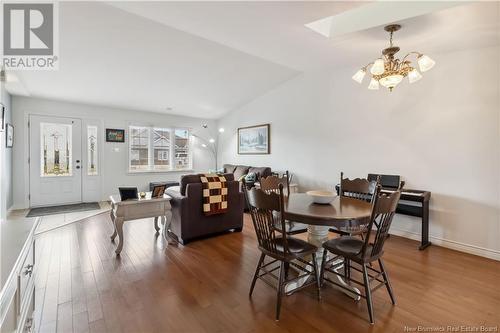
(157, 171)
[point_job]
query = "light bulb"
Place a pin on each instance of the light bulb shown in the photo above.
(373, 84)
(211, 140)
(221, 130)
(414, 76)
(359, 76)
(378, 67)
(204, 145)
(425, 63)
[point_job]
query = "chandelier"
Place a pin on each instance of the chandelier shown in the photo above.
(389, 71)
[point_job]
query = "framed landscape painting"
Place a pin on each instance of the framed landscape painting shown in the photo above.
(254, 140)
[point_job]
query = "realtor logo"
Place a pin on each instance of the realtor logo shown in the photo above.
(29, 31)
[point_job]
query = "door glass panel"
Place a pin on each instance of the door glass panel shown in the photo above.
(92, 150)
(55, 159)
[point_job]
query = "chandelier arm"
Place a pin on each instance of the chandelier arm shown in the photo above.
(409, 54)
(366, 66)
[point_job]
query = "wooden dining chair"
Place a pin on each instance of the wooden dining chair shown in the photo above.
(271, 184)
(364, 252)
(278, 246)
(360, 189)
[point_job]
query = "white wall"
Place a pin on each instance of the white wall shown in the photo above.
(5, 158)
(441, 134)
(114, 164)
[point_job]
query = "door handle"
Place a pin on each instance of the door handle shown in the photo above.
(78, 167)
(77, 161)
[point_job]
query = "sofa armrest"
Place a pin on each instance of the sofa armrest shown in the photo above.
(175, 194)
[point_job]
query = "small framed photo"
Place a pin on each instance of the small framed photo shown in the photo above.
(115, 135)
(9, 136)
(2, 117)
(158, 191)
(254, 140)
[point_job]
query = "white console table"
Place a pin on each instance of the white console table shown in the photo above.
(135, 209)
(17, 273)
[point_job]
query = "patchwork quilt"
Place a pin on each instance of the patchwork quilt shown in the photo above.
(214, 194)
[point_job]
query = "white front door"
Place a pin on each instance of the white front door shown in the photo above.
(55, 160)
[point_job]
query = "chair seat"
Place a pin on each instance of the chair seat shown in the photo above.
(292, 228)
(348, 247)
(297, 247)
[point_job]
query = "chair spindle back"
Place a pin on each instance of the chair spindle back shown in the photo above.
(383, 211)
(359, 188)
(271, 183)
(266, 211)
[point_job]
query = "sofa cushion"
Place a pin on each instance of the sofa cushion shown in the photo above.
(240, 171)
(229, 168)
(260, 171)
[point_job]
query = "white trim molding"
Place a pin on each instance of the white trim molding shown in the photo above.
(450, 244)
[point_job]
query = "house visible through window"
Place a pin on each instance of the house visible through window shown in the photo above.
(182, 152)
(150, 149)
(161, 145)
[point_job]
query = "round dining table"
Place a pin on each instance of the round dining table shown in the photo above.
(341, 212)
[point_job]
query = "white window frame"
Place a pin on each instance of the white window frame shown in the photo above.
(151, 157)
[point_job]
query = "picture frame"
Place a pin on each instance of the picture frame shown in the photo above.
(158, 191)
(254, 140)
(9, 135)
(115, 135)
(2, 117)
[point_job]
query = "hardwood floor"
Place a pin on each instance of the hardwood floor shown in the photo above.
(81, 286)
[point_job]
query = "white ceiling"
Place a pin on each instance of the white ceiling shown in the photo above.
(204, 59)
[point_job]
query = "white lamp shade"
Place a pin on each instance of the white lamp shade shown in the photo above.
(373, 84)
(359, 76)
(414, 76)
(391, 81)
(378, 67)
(425, 63)
(211, 140)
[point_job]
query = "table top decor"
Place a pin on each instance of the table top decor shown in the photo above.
(321, 196)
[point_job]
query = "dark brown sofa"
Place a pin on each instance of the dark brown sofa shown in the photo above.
(188, 220)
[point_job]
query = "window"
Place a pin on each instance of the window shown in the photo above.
(161, 145)
(150, 149)
(182, 155)
(139, 148)
(92, 150)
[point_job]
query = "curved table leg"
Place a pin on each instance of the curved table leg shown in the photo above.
(317, 235)
(119, 229)
(157, 227)
(114, 226)
(166, 221)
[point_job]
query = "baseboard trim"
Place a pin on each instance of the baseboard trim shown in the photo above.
(454, 245)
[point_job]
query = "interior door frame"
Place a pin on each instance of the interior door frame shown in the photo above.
(83, 143)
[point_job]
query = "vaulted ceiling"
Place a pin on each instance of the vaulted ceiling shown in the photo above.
(204, 59)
